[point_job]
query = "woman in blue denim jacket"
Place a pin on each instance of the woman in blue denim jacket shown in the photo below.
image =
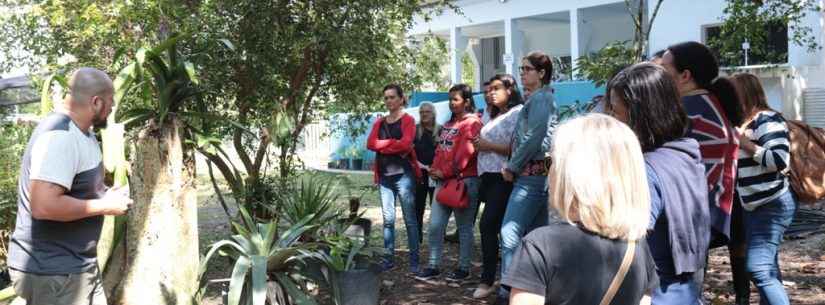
(527, 167)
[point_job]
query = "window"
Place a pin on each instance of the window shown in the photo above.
(776, 51)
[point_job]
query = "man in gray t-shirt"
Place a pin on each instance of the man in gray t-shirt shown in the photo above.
(62, 200)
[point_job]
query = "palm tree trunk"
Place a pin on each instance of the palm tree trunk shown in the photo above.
(158, 262)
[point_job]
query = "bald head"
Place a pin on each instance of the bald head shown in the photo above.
(88, 82)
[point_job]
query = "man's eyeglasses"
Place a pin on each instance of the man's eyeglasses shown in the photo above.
(526, 68)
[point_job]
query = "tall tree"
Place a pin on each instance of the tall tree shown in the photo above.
(752, 21)
(268, 68)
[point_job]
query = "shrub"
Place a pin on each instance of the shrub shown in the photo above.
(13, 139)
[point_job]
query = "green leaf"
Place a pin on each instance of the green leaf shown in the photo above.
(259, 280)
(227, 44)
(46, 104)
(190, 70)
(7, 293)
(297, 294)
(238, 279)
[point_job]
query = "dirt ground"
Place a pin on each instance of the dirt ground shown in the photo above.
(802, 262)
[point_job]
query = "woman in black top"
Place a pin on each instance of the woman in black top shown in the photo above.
(598, 186)
(424, 144)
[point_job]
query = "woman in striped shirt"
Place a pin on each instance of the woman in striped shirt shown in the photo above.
(763, 187)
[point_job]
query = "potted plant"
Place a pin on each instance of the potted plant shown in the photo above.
(343, 159)
(354, 269)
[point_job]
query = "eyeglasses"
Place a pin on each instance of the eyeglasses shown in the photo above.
(526, 68)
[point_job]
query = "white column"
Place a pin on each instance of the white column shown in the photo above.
(475, 55)
(513, 42)
(574, 38)
(458, 44)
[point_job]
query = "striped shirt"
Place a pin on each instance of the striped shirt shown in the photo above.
(718, 145)
(762, 174)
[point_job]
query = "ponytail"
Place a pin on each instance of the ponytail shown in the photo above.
(724, 90)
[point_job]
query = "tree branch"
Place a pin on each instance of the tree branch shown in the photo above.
(237, 139)
(629, 8)
(218, 190)
(653, 17)
(297, 80)
(263, 147)
(226, 172)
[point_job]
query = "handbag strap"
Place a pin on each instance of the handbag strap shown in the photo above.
(620, 275)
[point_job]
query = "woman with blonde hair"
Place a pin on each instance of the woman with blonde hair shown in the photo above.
(763, 187)
(597, 254)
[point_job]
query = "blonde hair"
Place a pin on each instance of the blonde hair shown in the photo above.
(598, 177)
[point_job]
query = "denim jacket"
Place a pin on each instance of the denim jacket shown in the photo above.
(534, 129)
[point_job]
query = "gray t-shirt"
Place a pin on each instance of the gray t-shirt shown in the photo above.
(60, 153)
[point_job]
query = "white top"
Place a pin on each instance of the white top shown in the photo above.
(498, 131)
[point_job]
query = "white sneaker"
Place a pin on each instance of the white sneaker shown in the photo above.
(483, 291)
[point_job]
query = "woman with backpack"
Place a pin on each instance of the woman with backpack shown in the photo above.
(645, 97)
(493, 149)
(763, 187)
(454, 166)
(396, 170)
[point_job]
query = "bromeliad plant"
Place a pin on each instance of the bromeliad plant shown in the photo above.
(162, 77)
(270, 262)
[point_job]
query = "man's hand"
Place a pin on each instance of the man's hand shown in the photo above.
(116, 201)
(437, 174)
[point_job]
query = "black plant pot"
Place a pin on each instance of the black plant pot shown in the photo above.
(359, 286)
(343, 163)
(332, 165)
(357, 164)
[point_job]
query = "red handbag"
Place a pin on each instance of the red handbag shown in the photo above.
(453, 194)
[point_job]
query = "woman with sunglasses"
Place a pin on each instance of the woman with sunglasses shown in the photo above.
(527, 167)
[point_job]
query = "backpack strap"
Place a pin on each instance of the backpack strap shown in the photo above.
(620, 275)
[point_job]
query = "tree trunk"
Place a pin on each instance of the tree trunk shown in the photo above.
(159, 260)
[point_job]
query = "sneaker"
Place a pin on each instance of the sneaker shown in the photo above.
(483, 291)
(414, 266)
(458, 275)
(427, 274)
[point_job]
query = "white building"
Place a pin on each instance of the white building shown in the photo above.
(497, 33)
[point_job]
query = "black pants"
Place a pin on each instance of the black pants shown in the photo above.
(495, 192)
(422, 192)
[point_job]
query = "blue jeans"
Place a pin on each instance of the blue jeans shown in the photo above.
(464, 218)
(764, 228)
(526, 210)
(403, 187)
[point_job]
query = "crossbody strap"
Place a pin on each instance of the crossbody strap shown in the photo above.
(620, 275)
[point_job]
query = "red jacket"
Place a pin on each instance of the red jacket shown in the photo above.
(402, 147)
(455, 152)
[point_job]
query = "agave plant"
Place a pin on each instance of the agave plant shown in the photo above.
(313, 196)
(270, 263)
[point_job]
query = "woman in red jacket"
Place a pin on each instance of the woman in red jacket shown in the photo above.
(455, 158)
(396, 169)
